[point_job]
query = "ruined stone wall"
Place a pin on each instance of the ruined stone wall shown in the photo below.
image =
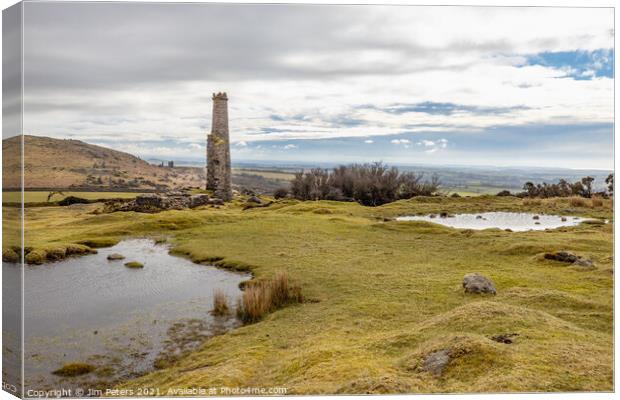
(218, 150)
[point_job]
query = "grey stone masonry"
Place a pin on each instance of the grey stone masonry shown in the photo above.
(218, 150)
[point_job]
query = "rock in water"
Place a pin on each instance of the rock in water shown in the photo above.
(435, 362)
(476, 283)
(116, 256)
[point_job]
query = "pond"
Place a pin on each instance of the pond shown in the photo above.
(514, 221)
(122, 320)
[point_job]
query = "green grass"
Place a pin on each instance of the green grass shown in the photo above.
(381, 295)
(41, 197)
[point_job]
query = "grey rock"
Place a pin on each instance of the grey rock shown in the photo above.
(476, 283)
(565, 256)
(584, 262)
(536, 217)
(254, 199)
(215, 201)
(436, 361)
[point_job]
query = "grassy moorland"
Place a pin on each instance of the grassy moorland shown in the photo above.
(381, 295)
(41, 196)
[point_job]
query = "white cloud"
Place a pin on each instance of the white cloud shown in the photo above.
(196, 146)
(427, 143)
(431, 146)
(369, 55)
(400, 141)
(290, 146)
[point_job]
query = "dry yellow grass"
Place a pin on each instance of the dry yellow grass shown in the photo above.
(220, 304)
(262, 297)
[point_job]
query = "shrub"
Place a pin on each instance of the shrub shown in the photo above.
(597, 202)
(263, 297)
(220, 305)
(280, 193)
(504, 193)
(369, 184)
(455, 195)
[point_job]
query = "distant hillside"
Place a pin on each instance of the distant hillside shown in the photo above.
(57, 163)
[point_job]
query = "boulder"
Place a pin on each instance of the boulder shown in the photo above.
(198, 200)
(436, 361)
(254, 199)
(565, 256)
(476, 283)
(536, 217)
(116, 256)
(584, 262)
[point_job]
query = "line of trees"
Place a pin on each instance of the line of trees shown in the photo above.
(563, 188)
(369, 184)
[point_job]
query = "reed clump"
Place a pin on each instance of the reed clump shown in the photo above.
(220, 304)
(266, 296)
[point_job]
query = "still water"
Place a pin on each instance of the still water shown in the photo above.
(122, 320)
(517, 222)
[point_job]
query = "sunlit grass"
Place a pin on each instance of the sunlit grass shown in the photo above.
(381, 294)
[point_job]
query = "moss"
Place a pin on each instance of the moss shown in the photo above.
(74, 369)
(134, 264)
(99, 242)
(56, 253)
(78, 249)
(10, 256)
(234, 265)
(37, 256)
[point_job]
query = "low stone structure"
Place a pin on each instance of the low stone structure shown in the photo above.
(153, 203)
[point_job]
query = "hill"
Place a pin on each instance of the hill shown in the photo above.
(73, 164)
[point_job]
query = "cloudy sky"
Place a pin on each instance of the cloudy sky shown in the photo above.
(430, 85)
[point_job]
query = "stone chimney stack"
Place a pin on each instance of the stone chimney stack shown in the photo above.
(218, 150)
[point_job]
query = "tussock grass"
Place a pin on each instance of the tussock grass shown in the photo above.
(263, 297)
(577, 202)
(220, 304)
(531, 202)
(597, 202)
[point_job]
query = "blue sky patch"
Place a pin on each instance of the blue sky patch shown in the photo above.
(579, 65)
